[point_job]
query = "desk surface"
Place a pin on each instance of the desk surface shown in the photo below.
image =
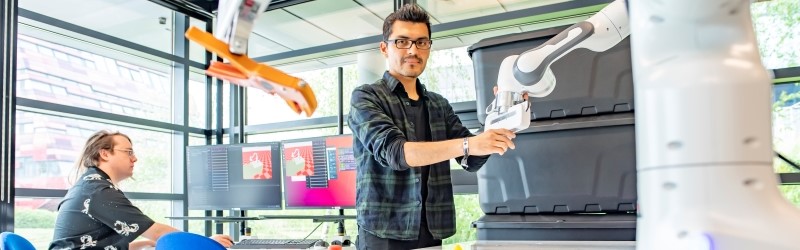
(540, 245)
(213, 218)
(531, 245)
(312, 248)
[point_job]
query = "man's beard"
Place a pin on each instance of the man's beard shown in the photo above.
(411, 72)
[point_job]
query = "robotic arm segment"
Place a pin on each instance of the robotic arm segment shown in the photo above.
(234, 25)
(530, 72)
(244, 71)
(530, 66)
(235, 22)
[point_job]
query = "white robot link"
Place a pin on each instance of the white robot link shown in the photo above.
(234, 24)
(529, 72)
(235, 20)
(703, 122)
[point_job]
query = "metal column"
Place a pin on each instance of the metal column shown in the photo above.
(400, 3)
(8, 71)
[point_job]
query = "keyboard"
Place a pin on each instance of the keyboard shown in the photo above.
(274, 244)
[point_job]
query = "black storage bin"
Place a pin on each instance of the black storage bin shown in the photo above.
(587, 82)
(579, 153)
(570, 165)
(583, 227)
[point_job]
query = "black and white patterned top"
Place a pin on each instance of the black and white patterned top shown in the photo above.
(95, 214)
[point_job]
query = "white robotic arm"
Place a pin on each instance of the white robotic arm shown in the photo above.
(703, 143)
(235, 22)
(529, 72)
(234, 26)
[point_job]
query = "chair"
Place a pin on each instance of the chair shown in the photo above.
(12, 241)
(188, 241)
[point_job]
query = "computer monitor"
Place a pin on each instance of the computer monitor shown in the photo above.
(235, 176)
(319, 172)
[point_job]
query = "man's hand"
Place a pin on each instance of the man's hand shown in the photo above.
(224, 240)
(491, 141)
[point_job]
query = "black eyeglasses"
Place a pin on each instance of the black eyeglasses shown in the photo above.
(406, 44)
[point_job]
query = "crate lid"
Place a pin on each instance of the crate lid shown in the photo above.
(557, 221)
(515, 37)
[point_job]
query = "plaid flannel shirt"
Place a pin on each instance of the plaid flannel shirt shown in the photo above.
(388, 198)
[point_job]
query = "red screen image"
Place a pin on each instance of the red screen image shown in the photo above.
(319, 173)
(256, 163)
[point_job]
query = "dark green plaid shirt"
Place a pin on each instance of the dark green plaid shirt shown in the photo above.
(388, 198)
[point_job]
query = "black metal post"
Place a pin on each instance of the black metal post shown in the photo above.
(8, 71)
(180, 76)
(340, 123)
(400, 3)
(209, 118)
(341, 230)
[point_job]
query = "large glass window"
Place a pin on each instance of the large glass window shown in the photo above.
(265, 108)
(198, 226)
(157, 210)
(117, 83)
(287, 135)
(778, 32)
(350, 83)
(48, 147)
(196, 52)
(96, 55)
(786, 124)
(226, 105)
(34, 219)
(467, 211)
(299, 229)
(197, 140)
(197, 100)
(449, 72)
(777, 27)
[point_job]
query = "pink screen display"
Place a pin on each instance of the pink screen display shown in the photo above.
(319, 173)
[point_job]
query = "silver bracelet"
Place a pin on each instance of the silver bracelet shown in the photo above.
(466, 153)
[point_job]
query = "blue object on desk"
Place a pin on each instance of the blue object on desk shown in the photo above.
(12, 241)
(188, 241)
(274, 244)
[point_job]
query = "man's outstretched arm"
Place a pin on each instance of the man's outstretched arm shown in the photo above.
(495, 141)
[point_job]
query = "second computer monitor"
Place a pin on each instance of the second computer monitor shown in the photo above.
(319, 172)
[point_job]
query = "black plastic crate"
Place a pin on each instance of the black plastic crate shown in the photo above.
(570, 165)
(587, 82)
(582, 227)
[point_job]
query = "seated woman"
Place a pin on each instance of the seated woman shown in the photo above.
(95, 214)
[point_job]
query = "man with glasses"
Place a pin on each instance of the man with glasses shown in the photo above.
(404, 139)
(95, 214)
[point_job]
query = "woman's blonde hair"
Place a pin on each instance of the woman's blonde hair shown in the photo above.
(90, 155)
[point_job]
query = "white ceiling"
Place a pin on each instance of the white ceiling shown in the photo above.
(300, 26)
(346, 20)
(290, 31)
(132, 20)
(380, 8)
(445, 11)
(512, 5)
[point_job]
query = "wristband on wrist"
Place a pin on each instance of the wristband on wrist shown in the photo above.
(466, 153)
